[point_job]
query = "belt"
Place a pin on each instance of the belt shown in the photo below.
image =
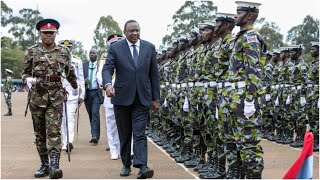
(190, 84)
(178, 86)
(174, 85)
(184, 85)
(296, 87)
(212, 84)
(167, 83)
(52, 78)
(313, 85)
(198, 84)
(287, 85)
(240, 84)
(162, 86)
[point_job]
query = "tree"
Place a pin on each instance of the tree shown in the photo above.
(188, 17)
(23, 27)
(104, 28)
(271, 34)
(304, 33)
(11, 57)
(78, 51)
(6, 14)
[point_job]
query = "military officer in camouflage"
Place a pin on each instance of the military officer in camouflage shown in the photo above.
(7, 91)
(313, 94)
(44, 66)
(247, 94)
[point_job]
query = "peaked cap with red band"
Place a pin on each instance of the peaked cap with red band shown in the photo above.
(48, 25)
(113, 36)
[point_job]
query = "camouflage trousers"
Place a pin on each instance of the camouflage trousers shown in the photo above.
(186, 123)
(298, 114)
(267, 114)
(244, 135)
(46, 125)
(8, 100)
(288, 118)
(313, 110)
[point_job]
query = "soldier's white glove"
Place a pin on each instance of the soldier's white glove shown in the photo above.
(303, 101)
(277, 102)
(217, 113)
(6, 95)
(268, 97)
(288, 101)
(30, 81)
(75, 92)
(165, 104)
(185, 106)
(249, 109)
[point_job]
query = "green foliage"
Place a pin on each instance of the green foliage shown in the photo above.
(105, 27)
(6, 14)
(23, 27)
(11, 57)
(188, 17)
(79, 52)
(271, 34)
(304, 33)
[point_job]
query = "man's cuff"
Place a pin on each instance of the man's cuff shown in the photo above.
(105, 86)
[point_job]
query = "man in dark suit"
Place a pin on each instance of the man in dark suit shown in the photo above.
(135, 90)
(93, 94)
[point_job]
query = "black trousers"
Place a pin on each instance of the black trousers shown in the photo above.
(131, 121)
(93, 104)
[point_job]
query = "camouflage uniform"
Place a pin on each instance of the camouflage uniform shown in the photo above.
(313, 100)
(47, 94)
(285, 106)
(8, 91)
(246, 66)
(267, 111)
(300, 81)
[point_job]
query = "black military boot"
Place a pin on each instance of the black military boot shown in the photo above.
(253, 175)
(55, 172)
(44, 168)
(9, 113)
(233, 171)
(220, 170)
(187, 153)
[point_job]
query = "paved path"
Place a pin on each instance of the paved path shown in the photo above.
(19, 158)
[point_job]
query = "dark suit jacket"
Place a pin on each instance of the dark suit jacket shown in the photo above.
(86, 76)
(130, 79)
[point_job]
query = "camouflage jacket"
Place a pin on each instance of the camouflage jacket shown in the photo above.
(300, 74)
(208, 61)
(41, 63)
(222, 68)
(286, 72)
(247, 61)
(314, 72)
(276, 73)
(8, 85)
(268, 69)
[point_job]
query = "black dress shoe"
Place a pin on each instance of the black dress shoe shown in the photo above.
(107, 148)
(125, 171)
(94, 140)
(71, 147)
(145, 172)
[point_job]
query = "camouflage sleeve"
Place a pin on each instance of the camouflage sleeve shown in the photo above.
(304, 69)
(10, 85)
(27, 64)
(69, 70)
(251, 54)
(268, 74)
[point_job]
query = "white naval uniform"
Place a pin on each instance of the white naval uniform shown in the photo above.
(72, 103)
(111, 128)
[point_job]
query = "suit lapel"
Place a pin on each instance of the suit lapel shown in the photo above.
(127, 51)
(141, 54)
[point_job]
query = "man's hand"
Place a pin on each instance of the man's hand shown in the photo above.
(80, 101)
(110, 91)
(155, 106)
(6, 95)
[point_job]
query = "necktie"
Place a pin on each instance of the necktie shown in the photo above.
(135, 55)
(90, 77)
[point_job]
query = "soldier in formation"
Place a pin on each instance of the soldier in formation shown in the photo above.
(222, 93)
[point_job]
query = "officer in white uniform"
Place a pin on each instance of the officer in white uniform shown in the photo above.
(74, 99)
